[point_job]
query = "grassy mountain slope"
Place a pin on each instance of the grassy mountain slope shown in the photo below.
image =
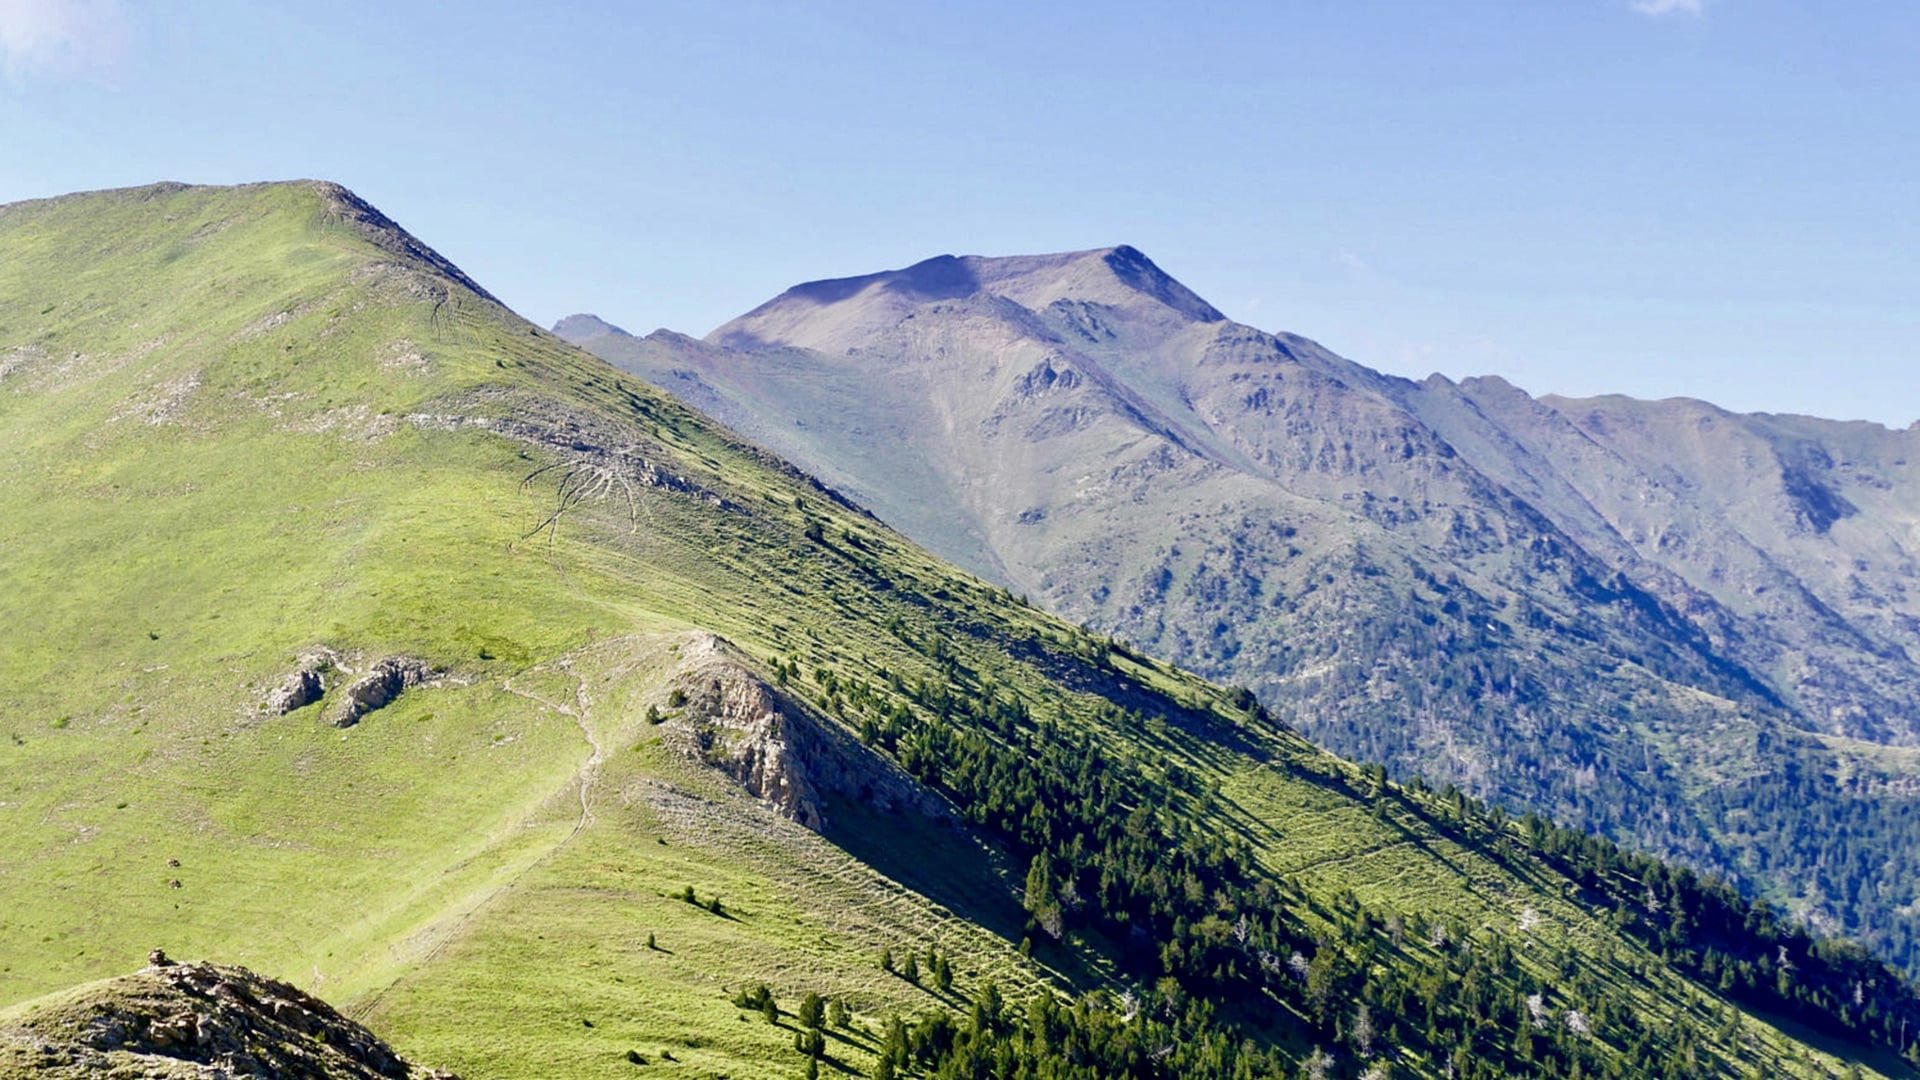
(1659, 621)
(368, 636)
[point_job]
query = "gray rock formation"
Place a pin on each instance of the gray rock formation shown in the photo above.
(302, 688)
(378, 687)
(777, 747)
(196, 1020)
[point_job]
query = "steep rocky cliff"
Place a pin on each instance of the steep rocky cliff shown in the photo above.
(775, 746)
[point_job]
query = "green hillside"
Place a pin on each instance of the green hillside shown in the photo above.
(629, 737)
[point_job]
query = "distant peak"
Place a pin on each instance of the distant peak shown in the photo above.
(1132, 266)
(1120, 277)
(584, 327)
(838, 312)
(943, 277)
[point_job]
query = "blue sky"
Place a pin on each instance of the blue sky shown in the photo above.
(1715, 198)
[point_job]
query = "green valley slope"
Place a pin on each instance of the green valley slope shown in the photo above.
(364, 634)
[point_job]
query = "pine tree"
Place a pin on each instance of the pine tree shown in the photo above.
(1042, 901)
(990, 1005)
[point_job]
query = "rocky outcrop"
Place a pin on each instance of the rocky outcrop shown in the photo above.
(387, 680)
(302, 688)
(305, 685)
(196, 1020)
(775, 746)
(320, 669)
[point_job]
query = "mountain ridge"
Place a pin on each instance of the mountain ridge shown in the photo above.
(664, 757)
(1719, 571)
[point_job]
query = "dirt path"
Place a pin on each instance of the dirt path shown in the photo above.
(450, 930)
(589, 772)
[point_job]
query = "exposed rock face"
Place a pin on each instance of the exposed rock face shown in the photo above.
(197, 1020)
(378, 687)
(302, 688)
(776, 747)
(320, 667)
(305, 685)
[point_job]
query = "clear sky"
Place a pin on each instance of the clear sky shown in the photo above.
(1715, 198)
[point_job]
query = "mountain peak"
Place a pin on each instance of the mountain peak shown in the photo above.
(1121, 277)
(829, 314)
(584, 327)
(343, 205)
(1132, 266)
(337, 205)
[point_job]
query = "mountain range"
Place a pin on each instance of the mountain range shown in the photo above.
(1691, 630)
(361, 633)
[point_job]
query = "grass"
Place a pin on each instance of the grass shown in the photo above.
(565, 948)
